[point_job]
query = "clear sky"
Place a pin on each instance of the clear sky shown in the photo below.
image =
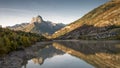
(58, 11)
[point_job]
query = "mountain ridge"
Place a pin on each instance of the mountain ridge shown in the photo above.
(38, 25)
(103, 17)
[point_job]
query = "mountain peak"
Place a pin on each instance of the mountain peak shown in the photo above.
(37, 19)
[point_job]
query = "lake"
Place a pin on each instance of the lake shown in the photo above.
(65, 54)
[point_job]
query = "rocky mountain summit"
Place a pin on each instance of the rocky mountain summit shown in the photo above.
(38, 25)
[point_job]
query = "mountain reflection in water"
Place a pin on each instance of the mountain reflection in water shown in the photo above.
(100, 54)
(52, 57)
(45, 53)
(66, 54)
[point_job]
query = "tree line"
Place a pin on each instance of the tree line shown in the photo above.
(13, 40)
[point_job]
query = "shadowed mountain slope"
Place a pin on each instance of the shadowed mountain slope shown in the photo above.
(101, 23)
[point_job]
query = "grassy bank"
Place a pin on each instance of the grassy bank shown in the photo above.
(14, 40)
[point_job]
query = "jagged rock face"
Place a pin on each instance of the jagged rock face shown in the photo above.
(38, 25)
(37, 19)
(100, 21)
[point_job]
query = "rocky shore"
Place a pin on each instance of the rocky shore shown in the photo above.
(19, 58)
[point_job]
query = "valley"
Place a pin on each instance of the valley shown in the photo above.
(92, 41)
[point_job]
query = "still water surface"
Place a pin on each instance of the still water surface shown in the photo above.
(77, 54)
(65, 54)
(59, 61)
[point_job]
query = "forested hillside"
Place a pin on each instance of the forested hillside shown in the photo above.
(15, 40)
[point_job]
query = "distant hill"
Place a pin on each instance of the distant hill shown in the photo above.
(101, 23)
(38, 25)
(18, 26)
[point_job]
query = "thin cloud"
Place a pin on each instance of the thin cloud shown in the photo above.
(15, 10)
